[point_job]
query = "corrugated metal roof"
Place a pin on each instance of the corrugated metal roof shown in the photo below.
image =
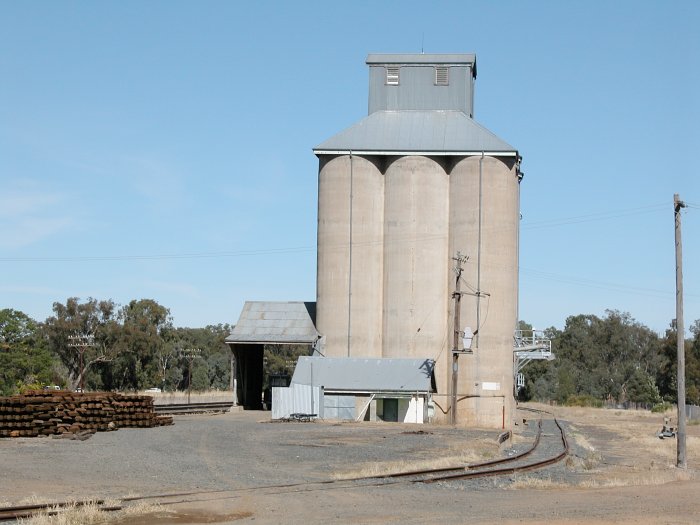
(404, 132)
(366, 375)
(275, 322)
(430, 59)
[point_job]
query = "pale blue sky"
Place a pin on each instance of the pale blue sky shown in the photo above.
(162, 149)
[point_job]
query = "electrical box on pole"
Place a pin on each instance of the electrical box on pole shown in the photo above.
(457, 335)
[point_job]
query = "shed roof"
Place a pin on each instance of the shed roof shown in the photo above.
(366, 375)
(275, 322)
(427, 59)
(416, 132)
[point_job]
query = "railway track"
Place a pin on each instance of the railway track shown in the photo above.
(524, 461)
(496, 467)
(194, 408)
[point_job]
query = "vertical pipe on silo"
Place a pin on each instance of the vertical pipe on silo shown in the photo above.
(520, 176)
(464, 209)
(351, 326)
(478, 250)
(350, 262)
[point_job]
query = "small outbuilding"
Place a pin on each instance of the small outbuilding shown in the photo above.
(359, 389)
(267, 323)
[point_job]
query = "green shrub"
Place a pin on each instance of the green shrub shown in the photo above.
(661, 407)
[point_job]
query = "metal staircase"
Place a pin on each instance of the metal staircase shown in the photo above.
(529, 345)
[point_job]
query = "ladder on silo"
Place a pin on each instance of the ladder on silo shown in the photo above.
(529, 345)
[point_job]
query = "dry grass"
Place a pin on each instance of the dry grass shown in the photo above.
(657, 477)
(637, 440)
(91, 514)
(518, 438)
(532, 482)
(620, 447)
(85, 514)
(580, 439)
(591, 462)
(634, 430)
(394, 467)
(648, 479)
(34, 499)
(482, 450)
(175, 398)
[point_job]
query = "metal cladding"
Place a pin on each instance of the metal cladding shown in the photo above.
(366, 375)
(400, 194)
(415, 85)
(276, 322)
(410, 132)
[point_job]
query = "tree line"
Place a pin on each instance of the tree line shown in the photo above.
(609, 359)
(612, 359)
(131, 347)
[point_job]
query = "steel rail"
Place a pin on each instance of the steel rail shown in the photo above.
(510, 470)
(470, 466)
(23, 511)
(193, 408)
(51, 509)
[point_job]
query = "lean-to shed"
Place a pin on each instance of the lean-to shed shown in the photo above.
(359, 389)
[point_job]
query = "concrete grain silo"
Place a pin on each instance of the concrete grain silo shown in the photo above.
(401, 193)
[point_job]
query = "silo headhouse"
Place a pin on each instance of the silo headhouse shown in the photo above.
(408, 195)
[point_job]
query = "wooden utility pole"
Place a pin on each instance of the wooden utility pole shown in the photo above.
(681, 461)
(457, 296)
(81, 342)
(190, 354)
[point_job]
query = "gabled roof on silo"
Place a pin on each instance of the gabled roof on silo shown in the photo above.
(275, 322)
(428, 132)
(366, 375)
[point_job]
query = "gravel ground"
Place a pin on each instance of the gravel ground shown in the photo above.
(218, 452)
(244, 450)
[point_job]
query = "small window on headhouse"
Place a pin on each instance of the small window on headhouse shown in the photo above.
(392, 76)
(442, 76)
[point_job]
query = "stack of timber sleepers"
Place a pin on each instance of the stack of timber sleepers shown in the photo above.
(58, 412)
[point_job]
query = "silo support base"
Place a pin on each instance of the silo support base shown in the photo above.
(484, 412)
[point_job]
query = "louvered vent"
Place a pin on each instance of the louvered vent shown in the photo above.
(442, 76)
(392, 76)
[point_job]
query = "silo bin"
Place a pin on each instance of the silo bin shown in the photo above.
(484, 220)
(415, 248)
(350, 256)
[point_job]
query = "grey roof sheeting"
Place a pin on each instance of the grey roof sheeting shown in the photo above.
(275, 322)
(366, 375)
(428, 59)
(416, 131)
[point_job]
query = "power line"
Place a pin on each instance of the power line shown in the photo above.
(589, 283)
(147, 257)
(592, 217)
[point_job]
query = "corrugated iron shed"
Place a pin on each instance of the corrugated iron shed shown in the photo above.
(366, 375)
(416, 132)
(271, 322)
